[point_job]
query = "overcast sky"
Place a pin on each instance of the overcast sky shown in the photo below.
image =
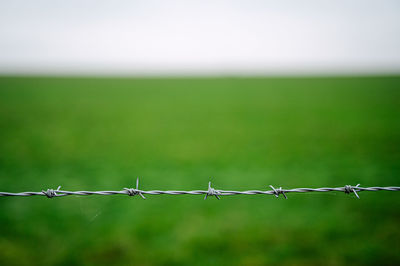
(199, 37)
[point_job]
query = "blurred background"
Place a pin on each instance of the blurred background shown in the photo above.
(246, 94)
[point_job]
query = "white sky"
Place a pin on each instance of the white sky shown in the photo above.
(199, 37)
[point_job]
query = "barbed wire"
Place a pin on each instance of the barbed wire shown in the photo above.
(50, 193)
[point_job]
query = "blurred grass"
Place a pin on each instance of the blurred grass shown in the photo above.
(242, 133)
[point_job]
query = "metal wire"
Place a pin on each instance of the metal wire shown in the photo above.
(50, 193)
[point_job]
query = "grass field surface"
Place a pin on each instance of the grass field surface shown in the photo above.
(180, 133)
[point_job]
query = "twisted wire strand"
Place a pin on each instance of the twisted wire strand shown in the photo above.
(50, 193)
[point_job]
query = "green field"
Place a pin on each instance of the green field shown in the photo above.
(240, 133)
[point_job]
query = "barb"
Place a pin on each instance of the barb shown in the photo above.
(50, 193)
(134, 191)
(348, 189)
(278, 191)
(212, 192)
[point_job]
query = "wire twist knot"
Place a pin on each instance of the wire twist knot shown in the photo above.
(212, 192)
(278, 191)
(134, 191)
(351, 189)
(50, 193)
